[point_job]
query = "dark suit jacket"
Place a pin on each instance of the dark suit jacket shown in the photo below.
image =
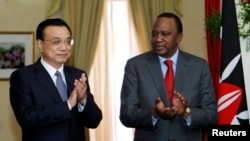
(41, 113)
(143, 83)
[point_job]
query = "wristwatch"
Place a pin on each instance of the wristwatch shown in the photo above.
(187, 113)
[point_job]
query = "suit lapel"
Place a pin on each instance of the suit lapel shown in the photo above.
(45, 81)
(182, 69)
(155, 72)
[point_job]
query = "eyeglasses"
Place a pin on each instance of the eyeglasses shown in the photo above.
(56, 42)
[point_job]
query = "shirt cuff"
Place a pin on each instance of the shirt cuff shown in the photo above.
(154, 120)
(70, 108)
(80, 107)
(188, 120)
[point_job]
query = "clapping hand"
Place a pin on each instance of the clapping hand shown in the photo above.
(81, 88)
(161, 111)
(79, 92)
(179, 102)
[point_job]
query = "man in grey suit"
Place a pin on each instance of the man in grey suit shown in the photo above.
(145, 105)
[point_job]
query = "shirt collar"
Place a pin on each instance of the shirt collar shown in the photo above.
(173, 58)
(50, 69)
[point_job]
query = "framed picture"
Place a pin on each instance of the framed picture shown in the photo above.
(16, 51)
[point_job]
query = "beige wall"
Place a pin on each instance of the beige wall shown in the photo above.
(23, 15)
(16, 15)
(194, 39)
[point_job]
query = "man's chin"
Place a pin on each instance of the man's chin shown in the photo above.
(160, 52)
(62, 60)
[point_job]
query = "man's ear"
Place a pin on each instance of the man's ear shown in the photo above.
(180, 35)
(39, 44)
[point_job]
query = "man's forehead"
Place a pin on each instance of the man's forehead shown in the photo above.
(57, 31)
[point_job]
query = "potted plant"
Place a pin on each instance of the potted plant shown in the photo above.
(213, 23)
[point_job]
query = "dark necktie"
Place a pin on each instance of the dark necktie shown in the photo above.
(61, 86)
(169, 79)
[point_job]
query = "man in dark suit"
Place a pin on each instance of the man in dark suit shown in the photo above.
(39, 109)
(145, 104)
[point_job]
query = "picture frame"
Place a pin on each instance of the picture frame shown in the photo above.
(16, 51)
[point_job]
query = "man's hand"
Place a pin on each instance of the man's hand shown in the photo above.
(79, 92)
(72, 100)
(81, 89)
(180, 102)
(161, 111)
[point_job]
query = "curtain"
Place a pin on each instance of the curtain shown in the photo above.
(144, 12)
(116, 44)
(213, 50)
(213, 46)
(84, 18)
(52, 6)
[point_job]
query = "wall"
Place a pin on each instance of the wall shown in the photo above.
(16, 15)
(194, 39)
(24, 15)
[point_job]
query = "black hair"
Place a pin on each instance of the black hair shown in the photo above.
(175, 17)
(50, 22)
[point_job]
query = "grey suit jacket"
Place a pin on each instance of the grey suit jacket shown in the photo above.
(143, 83)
